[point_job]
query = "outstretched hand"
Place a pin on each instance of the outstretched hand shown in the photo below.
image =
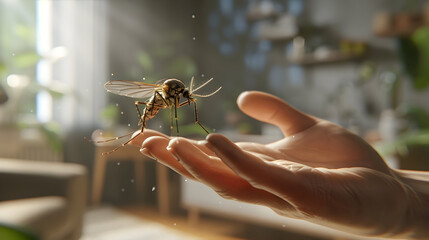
(318, 172)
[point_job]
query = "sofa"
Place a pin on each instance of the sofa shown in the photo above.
(45, 200)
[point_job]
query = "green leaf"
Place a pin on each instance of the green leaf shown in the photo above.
(145, 61)
(52, 132)
(409, 55)
(404, 142)
(163, 51)
(417, 138)
(421, 39)
(110, 112)
(14, 233)
(193, 130)
(2, 68)
(183, 66)
(418, 116)
(26, 59)
(25, 32)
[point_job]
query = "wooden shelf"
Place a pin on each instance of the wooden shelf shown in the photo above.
(393, 33)
(331, 58)
(402, 24)
(257, 16)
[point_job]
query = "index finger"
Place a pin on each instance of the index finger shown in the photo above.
(142, 136)
(272, 177)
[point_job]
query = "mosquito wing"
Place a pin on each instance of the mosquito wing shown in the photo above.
(131, 89)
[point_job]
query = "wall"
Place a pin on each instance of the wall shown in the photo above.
(332, 91)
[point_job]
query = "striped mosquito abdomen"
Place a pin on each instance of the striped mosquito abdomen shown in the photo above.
(152, 108)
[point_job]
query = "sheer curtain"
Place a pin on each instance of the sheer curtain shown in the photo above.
(79, 28)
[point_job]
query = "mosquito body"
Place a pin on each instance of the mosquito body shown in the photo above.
(164, 95)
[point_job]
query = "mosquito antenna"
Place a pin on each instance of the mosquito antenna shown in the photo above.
(202, 85)
(192, 84)
(210, 94)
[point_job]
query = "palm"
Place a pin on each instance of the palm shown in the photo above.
(347, 168)
(322, 145)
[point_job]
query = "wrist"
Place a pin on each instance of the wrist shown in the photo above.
(416, 222)
(419, 216)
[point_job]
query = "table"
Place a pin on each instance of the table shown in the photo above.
(129, 153)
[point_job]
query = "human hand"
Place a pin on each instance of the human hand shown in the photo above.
(318, 172)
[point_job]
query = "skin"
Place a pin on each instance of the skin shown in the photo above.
(319, 172)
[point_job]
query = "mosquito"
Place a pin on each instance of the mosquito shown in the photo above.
(165, 94)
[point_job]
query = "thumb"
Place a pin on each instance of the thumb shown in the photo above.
(270, 109)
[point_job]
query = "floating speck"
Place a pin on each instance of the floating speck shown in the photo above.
(153, 188)
(112, 74)
(117, 105)
(144, 78)
(123, 190)
(122, 113)
(193, 15)
(202, 75)
(283, 225)
(174, 224)
(160, 126)
(13, 54)
(129, 125)
(186, 180)
(132, 180)
(118, 163)
(194, 38)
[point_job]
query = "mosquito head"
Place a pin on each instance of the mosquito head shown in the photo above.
(173, 88)
(186, 93)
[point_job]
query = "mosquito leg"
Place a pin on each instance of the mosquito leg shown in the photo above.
(175, 115)
(143, 118)
(171, 122)
(137, 103)
(196, 117)
(178, 105)
(108, 140)
(167, 104)
(122, 145)
(143, 122)
(184, 103)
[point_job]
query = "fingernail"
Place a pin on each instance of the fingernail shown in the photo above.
(208, 145)
(147, 153)
(172, 141)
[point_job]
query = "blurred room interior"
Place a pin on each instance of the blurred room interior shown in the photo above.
(359, 64)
